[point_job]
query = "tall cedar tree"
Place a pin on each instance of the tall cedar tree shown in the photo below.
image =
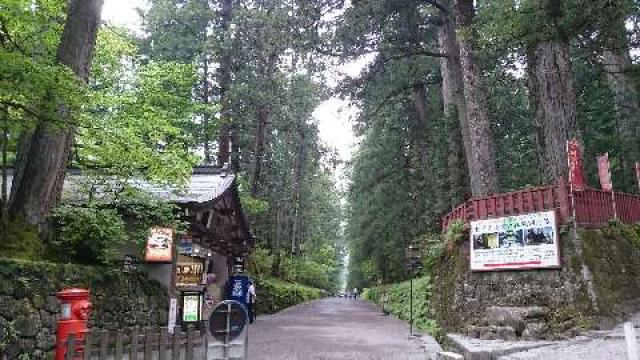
(552, 93)
(480, 147)
(44, 153)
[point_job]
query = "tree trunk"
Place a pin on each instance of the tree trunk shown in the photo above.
(275, 249)
(262, 119)
(480, 148)
(296, 193)
(554, 101)
(3, 190)
(206, 138)
(616, 61)
(419, 95)
(45, 154)
(224, 81)
(266, 68)
(454, 108)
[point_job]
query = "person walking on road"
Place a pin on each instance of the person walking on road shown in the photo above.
(251, 299)
(355, 293)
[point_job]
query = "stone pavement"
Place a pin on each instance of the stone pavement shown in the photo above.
(336, 329)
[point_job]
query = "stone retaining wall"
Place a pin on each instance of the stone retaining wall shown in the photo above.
(598, 284)
(29, 310)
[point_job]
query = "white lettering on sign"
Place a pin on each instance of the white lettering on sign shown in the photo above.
(237, 288)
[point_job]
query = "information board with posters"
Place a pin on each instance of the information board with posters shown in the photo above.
(159, 246)
(527, 241)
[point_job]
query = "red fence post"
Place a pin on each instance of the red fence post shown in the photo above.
(563, 199)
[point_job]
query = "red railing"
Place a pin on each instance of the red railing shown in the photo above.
(593, 208)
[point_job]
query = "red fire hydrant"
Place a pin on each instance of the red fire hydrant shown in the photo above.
(73, 320)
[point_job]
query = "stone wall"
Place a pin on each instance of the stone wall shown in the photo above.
(598, 284)
(29, 309)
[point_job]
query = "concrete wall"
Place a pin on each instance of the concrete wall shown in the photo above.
(599, 283)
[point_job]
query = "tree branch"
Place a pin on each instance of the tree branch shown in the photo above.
(6, 36)
(437, 5)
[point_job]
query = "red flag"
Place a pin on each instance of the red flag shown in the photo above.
(638, 172)
(576, 175)
(604, 173)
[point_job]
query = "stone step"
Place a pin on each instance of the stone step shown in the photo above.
(448, 355)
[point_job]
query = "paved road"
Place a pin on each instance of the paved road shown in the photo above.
(331, 329)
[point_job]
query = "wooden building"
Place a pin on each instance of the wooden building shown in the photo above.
(199, 261)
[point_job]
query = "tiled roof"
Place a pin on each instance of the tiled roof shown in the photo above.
(206, 184)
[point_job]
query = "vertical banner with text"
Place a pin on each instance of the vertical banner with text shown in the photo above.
(638, 173)
(604, 173)
(574, 156)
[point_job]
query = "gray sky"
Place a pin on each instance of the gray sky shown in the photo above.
(333, 115)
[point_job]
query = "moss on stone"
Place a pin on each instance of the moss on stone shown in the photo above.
(605, 262)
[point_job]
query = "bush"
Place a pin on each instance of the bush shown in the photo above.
(398, 302)
(87, 235)
(273, 295)
(294, 270)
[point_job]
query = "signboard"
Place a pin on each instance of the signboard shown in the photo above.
(604, 173)
(186, 244)
(129, 263)
(191, 307)
(159, 249)
(189, 271)
(228, 317)
(527, 241)
(576, 175)
(173, 308)
(238, 288)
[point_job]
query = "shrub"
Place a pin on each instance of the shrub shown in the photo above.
(273, 295)
(295, 270)
(398, 302)
(87, 235)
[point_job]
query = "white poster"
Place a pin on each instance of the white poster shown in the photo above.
(527, 241)
(191, 307)
(173, 307)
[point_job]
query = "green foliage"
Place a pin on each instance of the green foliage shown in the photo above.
(398, 302)
(137, 121)
(320, 272)
(19, 240)
(456, 232)
(87, 235)
(273, 295)
(93, 233)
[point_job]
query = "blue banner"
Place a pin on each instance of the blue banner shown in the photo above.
(237, 289)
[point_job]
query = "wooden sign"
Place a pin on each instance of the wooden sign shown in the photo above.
(159, 246)
(189, 271)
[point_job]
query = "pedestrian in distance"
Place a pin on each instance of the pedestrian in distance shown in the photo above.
(355, 293)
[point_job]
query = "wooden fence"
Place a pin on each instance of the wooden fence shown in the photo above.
(593, 208)
(134, 344)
